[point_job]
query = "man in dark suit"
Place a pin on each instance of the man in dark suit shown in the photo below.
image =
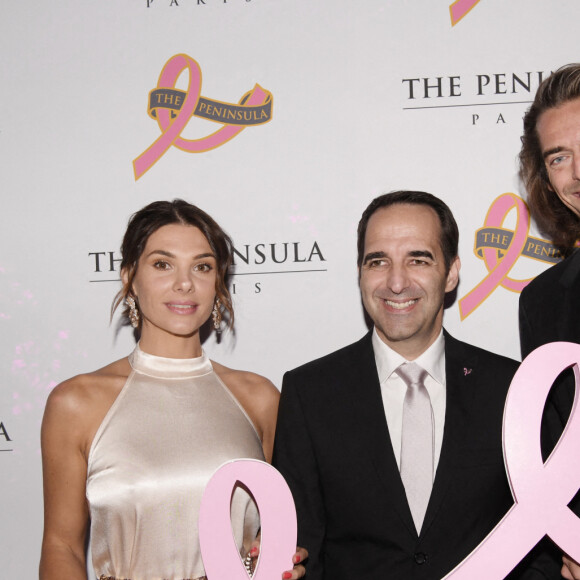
(550, 169)
(352, 425)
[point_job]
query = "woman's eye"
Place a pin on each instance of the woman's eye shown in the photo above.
(204, 267)
(161, 265)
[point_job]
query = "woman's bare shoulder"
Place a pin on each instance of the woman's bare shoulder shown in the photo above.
(259, 397)
(82, 391)
(245, 381)
(76, 407)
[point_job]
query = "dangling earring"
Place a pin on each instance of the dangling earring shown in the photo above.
(133, 312)
(216, 315)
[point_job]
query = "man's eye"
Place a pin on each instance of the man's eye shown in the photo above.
(556, 160)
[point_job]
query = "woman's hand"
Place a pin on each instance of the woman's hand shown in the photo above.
(298, 571)
(298, 558)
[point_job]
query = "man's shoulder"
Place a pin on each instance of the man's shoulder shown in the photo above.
(458, 350)
(546, 280)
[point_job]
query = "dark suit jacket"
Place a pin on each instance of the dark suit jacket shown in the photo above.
(549, 312)
(333, 448)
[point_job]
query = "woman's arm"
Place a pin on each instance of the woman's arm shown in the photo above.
(63, 438)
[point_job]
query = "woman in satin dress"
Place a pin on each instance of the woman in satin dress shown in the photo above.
(128, 449)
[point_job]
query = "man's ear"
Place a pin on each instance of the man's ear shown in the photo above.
(453, 275)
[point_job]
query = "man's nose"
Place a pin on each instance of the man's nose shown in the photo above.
(397, 279)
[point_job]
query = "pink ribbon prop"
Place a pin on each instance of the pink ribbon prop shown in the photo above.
(499, 268)
(171, 128)
(460, 8)
(541, 491)
(277, 516)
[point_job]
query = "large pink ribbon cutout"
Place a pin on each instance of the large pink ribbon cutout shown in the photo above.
(497, 267)
(541, 491)
(459, 9)
(277, 517)
(171, 128)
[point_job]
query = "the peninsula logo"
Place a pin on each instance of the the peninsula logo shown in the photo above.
(173, 108)
(500, 248)
(251, 261)
(5, 439)
(497, 97)
(280, 253)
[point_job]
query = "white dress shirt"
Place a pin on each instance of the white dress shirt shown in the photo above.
(393, 389)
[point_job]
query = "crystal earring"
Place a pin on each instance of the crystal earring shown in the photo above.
(133, 312)
(216, 315)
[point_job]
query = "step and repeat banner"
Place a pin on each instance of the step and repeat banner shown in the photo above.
(282, 119)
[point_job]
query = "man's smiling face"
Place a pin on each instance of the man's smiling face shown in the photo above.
(403, 279)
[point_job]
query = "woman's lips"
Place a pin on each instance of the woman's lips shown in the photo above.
(182, 307)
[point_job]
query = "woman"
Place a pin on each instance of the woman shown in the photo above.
(130, 447)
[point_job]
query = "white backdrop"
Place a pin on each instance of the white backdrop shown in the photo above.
(74, 84)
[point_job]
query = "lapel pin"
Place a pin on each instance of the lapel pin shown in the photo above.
(466, 371)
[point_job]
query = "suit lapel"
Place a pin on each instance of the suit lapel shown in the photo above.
(370, 427)
(461, 378)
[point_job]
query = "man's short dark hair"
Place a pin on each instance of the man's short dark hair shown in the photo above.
(554, 219)
(449, 231)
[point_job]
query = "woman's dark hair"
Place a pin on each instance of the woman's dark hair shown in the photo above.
(162, 213)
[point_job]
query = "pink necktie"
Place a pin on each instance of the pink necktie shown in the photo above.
(417, 441)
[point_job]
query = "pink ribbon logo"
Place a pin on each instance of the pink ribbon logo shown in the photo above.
(499, 267)
(460, 8)
(172, 109)
(277, 516)
(541, 491)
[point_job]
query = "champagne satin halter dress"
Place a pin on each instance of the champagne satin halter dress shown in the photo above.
(172, 425)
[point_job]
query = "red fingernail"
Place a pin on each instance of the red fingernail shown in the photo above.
(297, 558)
(287, 575)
